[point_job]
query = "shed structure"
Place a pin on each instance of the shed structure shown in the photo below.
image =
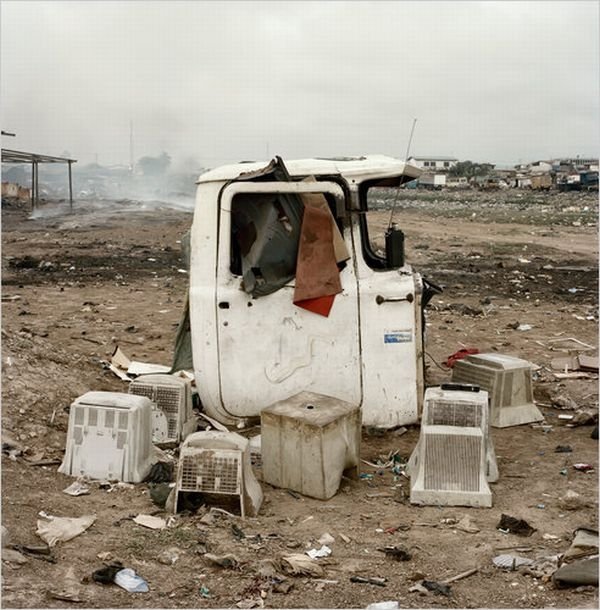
(20, 157)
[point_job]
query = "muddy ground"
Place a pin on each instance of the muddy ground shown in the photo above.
(74, 286)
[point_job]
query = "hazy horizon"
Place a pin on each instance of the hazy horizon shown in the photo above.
(217, 82)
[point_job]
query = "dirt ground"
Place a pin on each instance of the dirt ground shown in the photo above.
(74, 286)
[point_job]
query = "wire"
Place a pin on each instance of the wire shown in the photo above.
(405, 161)
(436, 364)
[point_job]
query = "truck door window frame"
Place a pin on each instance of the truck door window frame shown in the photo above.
(371, 258)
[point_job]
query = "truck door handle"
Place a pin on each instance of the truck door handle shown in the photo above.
(380, 299)
(224, 305)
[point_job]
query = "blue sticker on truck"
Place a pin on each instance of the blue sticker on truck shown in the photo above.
(397, 336)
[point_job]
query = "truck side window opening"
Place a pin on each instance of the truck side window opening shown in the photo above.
(254, 213)
(373, 222)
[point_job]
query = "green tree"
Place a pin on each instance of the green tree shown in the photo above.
(468, 169)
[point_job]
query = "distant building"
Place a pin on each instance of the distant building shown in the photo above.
(433, 164)
(578, 163)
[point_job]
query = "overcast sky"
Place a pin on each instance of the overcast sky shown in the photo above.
(226, 81)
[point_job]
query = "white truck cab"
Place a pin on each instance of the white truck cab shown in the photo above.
(252, 348)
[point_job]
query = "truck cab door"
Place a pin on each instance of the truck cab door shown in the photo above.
(390, 331)
(268, 348)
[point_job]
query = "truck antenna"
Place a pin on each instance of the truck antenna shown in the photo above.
(412, 131)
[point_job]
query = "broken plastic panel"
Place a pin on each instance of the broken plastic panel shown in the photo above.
(173, 396)
(109, 437)
(308, 441)
(454, 458)
(508, 382)
(218, 463)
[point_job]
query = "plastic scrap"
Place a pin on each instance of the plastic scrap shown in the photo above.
(383, 606)
(60, 529)
(583, 467)
(301, 564)
(127, 579)
(204, 591)
(77, 488)
(324, 551)
(511, 562)
(154, 523)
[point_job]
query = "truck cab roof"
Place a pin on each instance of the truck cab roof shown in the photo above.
(352, 169)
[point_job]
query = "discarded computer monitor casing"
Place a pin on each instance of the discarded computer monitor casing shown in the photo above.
(508, 382)
(454, 458)
(308, 441)
(216, 463)
(173, 396)
(109, 437)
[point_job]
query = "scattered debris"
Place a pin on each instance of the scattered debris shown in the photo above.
(299, 564)
(106, 575)
(437, 587)
(524, 327)
(515, 526)
(511, 562)
(383, 606)
(467, 525)
(324, 551)
(580, 572)
(169, 556)
(571, 500)
(459, 355)
(60, 529)
(376, 580)
(77, 488)
(582, 467)
(225, 561)
(149, 521)
(563, 449)
(326, 539)
(132, 583)
(161, 472)
(70, 590)
(396, 552)
(585, 543)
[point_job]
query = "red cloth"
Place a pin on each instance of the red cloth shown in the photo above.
(317, 274)
(459, 355)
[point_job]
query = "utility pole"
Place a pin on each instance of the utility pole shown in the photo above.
(131, 146)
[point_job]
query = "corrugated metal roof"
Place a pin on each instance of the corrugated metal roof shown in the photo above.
(354, 169)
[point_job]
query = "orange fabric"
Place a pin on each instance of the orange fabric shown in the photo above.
(317, 274)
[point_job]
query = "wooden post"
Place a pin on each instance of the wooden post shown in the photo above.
(32, 186)
(70, 189)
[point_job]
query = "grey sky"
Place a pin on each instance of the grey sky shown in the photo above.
(225, 81)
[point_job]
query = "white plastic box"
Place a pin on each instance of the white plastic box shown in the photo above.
(109, 437)
(454, 458)
(308, 441)
(173, 396)
(508, 382)
(218, 463)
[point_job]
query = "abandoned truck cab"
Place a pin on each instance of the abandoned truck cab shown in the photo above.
(267, 319)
